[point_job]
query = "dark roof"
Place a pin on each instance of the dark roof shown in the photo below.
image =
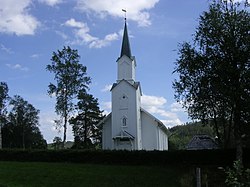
(199, 142)
(125, 43)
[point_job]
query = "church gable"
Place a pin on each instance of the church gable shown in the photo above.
(135, 85)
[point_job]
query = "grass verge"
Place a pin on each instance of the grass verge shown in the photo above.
(34, 174)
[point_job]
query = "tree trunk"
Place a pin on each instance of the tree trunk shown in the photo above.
(217, 131)
(23, 139)
(85, 130)
(239, 150)
(65, 116)
(64, 130)
(0, 135)
(237, 134)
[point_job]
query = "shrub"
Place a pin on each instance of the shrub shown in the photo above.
(238, 176)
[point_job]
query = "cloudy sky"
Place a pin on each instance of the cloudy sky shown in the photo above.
(30, 30)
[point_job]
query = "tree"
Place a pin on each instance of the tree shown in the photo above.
(21, 130)
(57, 143)
(214, 75)
(70, 77)
(85, 123)
(3, 99)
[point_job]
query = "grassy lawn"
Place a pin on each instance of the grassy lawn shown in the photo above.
(67, 174)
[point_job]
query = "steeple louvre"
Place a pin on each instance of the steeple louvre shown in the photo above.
(125, 43)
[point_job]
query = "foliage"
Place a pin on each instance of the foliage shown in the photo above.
(161, 158)
(57, 143)
(181, 135)
(238, 176)
(3, 111)
(70, 77)
(3, 99)
(21, 130)
(85, 129)
(214, 74)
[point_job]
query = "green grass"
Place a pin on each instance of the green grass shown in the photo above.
(25, 174)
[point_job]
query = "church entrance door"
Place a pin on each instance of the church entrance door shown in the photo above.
(124, 144)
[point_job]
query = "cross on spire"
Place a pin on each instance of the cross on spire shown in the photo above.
(125, 14)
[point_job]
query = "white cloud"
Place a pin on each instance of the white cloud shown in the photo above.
(7, 50)
(172, 122)
(99, 43)
(17, 67)
(153, 101)
(63, 35)
(156, 105)
(106, 107)
(51, 2)
(73, 23)
(48, 128)
(82, 35)
(136, 10)
(107, 88)
(15, 18)
(237, 1)
(35, 56)
(177, 107)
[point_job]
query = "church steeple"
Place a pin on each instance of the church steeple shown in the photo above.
(125, 50)
(126, 62)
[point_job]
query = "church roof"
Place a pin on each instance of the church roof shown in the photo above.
(136, 85)
(125, 50)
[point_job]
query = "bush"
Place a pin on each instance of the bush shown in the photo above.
(238, 176)
(201, 157)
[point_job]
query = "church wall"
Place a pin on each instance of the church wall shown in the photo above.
(138, 117)
(162, 139)
(124, 105)
(149, 132)
(106, 135)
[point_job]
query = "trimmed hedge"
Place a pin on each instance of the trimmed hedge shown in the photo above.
(199, 157)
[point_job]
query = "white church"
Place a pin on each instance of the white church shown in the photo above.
(129, 126)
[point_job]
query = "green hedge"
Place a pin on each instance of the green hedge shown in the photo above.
(201, 157)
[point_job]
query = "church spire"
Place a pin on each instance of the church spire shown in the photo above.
(125, 43)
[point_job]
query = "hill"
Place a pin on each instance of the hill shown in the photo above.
(181, 135)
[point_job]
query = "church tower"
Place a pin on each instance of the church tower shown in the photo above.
(126, 101)
(128, 126)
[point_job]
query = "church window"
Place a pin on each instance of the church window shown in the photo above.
(124, 121)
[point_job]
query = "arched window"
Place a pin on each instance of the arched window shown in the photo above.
(124, 121)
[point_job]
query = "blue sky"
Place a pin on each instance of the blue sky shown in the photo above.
(30, 30)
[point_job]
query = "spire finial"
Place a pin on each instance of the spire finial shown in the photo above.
(125, 14)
